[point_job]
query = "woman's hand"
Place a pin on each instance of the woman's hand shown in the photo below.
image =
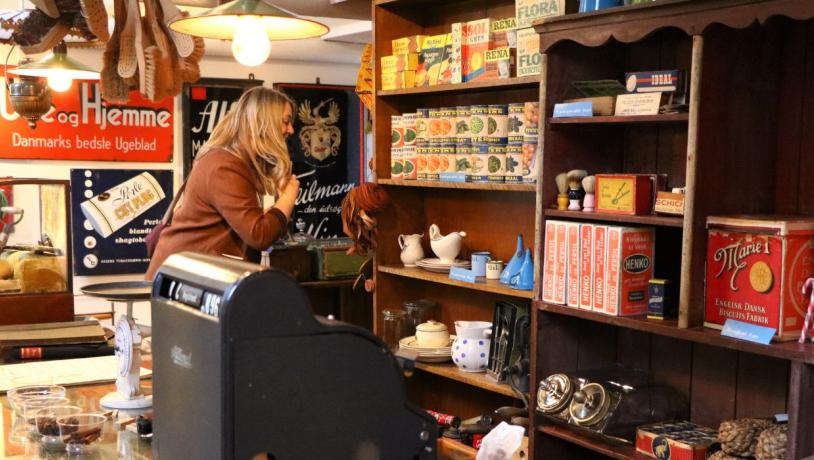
(288, 196)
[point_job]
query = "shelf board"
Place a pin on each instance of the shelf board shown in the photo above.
(663, 221)
(485, 285)
(480, 85)
(329, 283)
(623, 120)
(619, 452)
(459, 185)
(669, 328)
(476, 379)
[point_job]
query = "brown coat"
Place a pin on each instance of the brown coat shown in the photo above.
(219, 213)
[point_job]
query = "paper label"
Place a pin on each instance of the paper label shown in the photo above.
(638, 104)
(749, 332)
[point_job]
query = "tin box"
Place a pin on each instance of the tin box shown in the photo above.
(678, 440)
(756, 267)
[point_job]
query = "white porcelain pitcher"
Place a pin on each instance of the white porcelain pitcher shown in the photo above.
(411, 250)
(446, 247)
(470, 351)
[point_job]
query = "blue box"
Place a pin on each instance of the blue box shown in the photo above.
(656, 81)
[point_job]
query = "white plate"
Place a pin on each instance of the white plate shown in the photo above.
(434, 359)
(410, 344)
(435, 265)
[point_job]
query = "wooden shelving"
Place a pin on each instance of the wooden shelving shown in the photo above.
(619, 452)
(664, 221)
(476, 379)
(480, 85)
(493, 286)
(459, 185)
(669, 328)
(620, 120)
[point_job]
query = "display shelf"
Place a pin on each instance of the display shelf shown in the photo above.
(623, 120)
(663, 221)
(493, 286)
(476, 379)
(620, 452)
(459, 185)
(480, 85)
(785, 350)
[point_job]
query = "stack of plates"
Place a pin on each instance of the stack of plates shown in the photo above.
(435, 265)
(428, 354)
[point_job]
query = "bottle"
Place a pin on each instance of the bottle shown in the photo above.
(300, 236)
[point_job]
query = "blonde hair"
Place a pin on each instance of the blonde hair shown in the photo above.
(251, 130)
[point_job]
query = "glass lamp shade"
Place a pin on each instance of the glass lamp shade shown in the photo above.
(55, 64)
(224, 21)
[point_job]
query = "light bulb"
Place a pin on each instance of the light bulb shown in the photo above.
(60, 82)
(250, 45)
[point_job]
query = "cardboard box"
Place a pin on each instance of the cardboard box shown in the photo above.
(630, 257)
(572, 264)
(431, 59)
(455, 58)
(504, 32)
(600, 250)
(476, 41)
(529, 60)
(411, 44)
(550, 260)
(678, 440)
(499, 63)
(669, 203)
(399, 62)
(586, 266)
(528, 11)
(560, 274)
(756, 266)
(630, 194)
(398, 80)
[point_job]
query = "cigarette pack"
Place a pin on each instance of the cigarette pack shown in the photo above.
(600, 264)
(560, 266)
(550, 260)
(528, 52)
(756, 267)
(572, 264)
(411, 44)
(629, 269)
(476, 41)
(586, 266)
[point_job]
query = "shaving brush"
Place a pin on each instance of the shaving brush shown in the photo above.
(562, 191)
(589, 184)
(575, 192)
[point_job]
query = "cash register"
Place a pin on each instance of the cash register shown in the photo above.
(242, 369)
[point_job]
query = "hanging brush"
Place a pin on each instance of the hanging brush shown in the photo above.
(589, 184)
(562, 191)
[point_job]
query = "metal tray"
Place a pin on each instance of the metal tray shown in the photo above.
(120, 290)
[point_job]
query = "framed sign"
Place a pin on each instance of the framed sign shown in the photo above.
(327, 151)
(82, 126)
(204, 103)
(113, 210)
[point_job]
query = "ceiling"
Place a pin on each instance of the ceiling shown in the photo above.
(348, 21)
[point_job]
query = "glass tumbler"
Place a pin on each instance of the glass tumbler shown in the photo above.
(81, 433)
(46, 420)
(17, 395)
(31, 407)
(393, 327)
(418, 311)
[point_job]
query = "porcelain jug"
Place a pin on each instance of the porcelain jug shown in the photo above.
(411, 250)
(446, 247)
(470, 350)
(513, 267)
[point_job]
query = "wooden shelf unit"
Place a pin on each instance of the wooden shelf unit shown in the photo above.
(742, 149)
(485, 285)
(476, 379)
(459, 185)
(491, 217)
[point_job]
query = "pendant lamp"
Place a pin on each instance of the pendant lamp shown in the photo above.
(59, 69)
(250, 25)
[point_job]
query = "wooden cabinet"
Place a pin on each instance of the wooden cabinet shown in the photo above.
(740, 149)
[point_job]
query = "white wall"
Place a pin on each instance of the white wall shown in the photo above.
(215, 67)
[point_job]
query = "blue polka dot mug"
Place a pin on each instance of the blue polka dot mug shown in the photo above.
(470, 350)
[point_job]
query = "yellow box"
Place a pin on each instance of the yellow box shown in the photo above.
(411, 44)
(399, 62)
(398, 80)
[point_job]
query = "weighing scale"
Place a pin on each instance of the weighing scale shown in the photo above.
(128, 343)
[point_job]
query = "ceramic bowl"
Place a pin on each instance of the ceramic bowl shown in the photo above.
(432, 334)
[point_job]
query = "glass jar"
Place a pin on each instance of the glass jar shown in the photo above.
(418, 311)
(393, 327)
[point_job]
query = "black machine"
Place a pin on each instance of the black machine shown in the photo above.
(243, 369)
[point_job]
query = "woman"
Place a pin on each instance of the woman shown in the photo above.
(245, 157)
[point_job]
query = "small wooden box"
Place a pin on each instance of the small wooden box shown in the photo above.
(630, 194)
(294, 259)
(333, 262)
